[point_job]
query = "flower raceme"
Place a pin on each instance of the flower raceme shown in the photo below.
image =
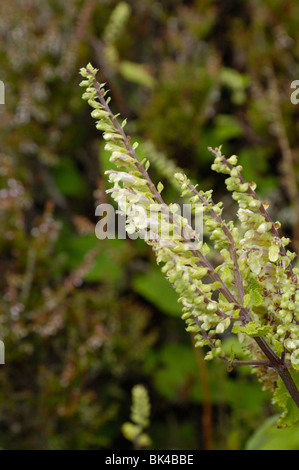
(253, 292)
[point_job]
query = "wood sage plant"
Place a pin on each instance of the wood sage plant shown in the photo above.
(252, 293)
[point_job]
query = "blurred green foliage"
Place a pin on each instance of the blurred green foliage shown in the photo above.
(85, 320)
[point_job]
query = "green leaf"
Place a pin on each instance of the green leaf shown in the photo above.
(246, 300)
(254, 297)
(236, 82)
(254, 285)
(233, 79)
(137, 73)
(173, 367)
(269, 437)
(278, 345)
(103, 267)
(282, 397)
(68, 179)
(154, 287)
(252, 329)
(227, 127)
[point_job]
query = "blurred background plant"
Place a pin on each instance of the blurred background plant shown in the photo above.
(133, 430)
(84, 320)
